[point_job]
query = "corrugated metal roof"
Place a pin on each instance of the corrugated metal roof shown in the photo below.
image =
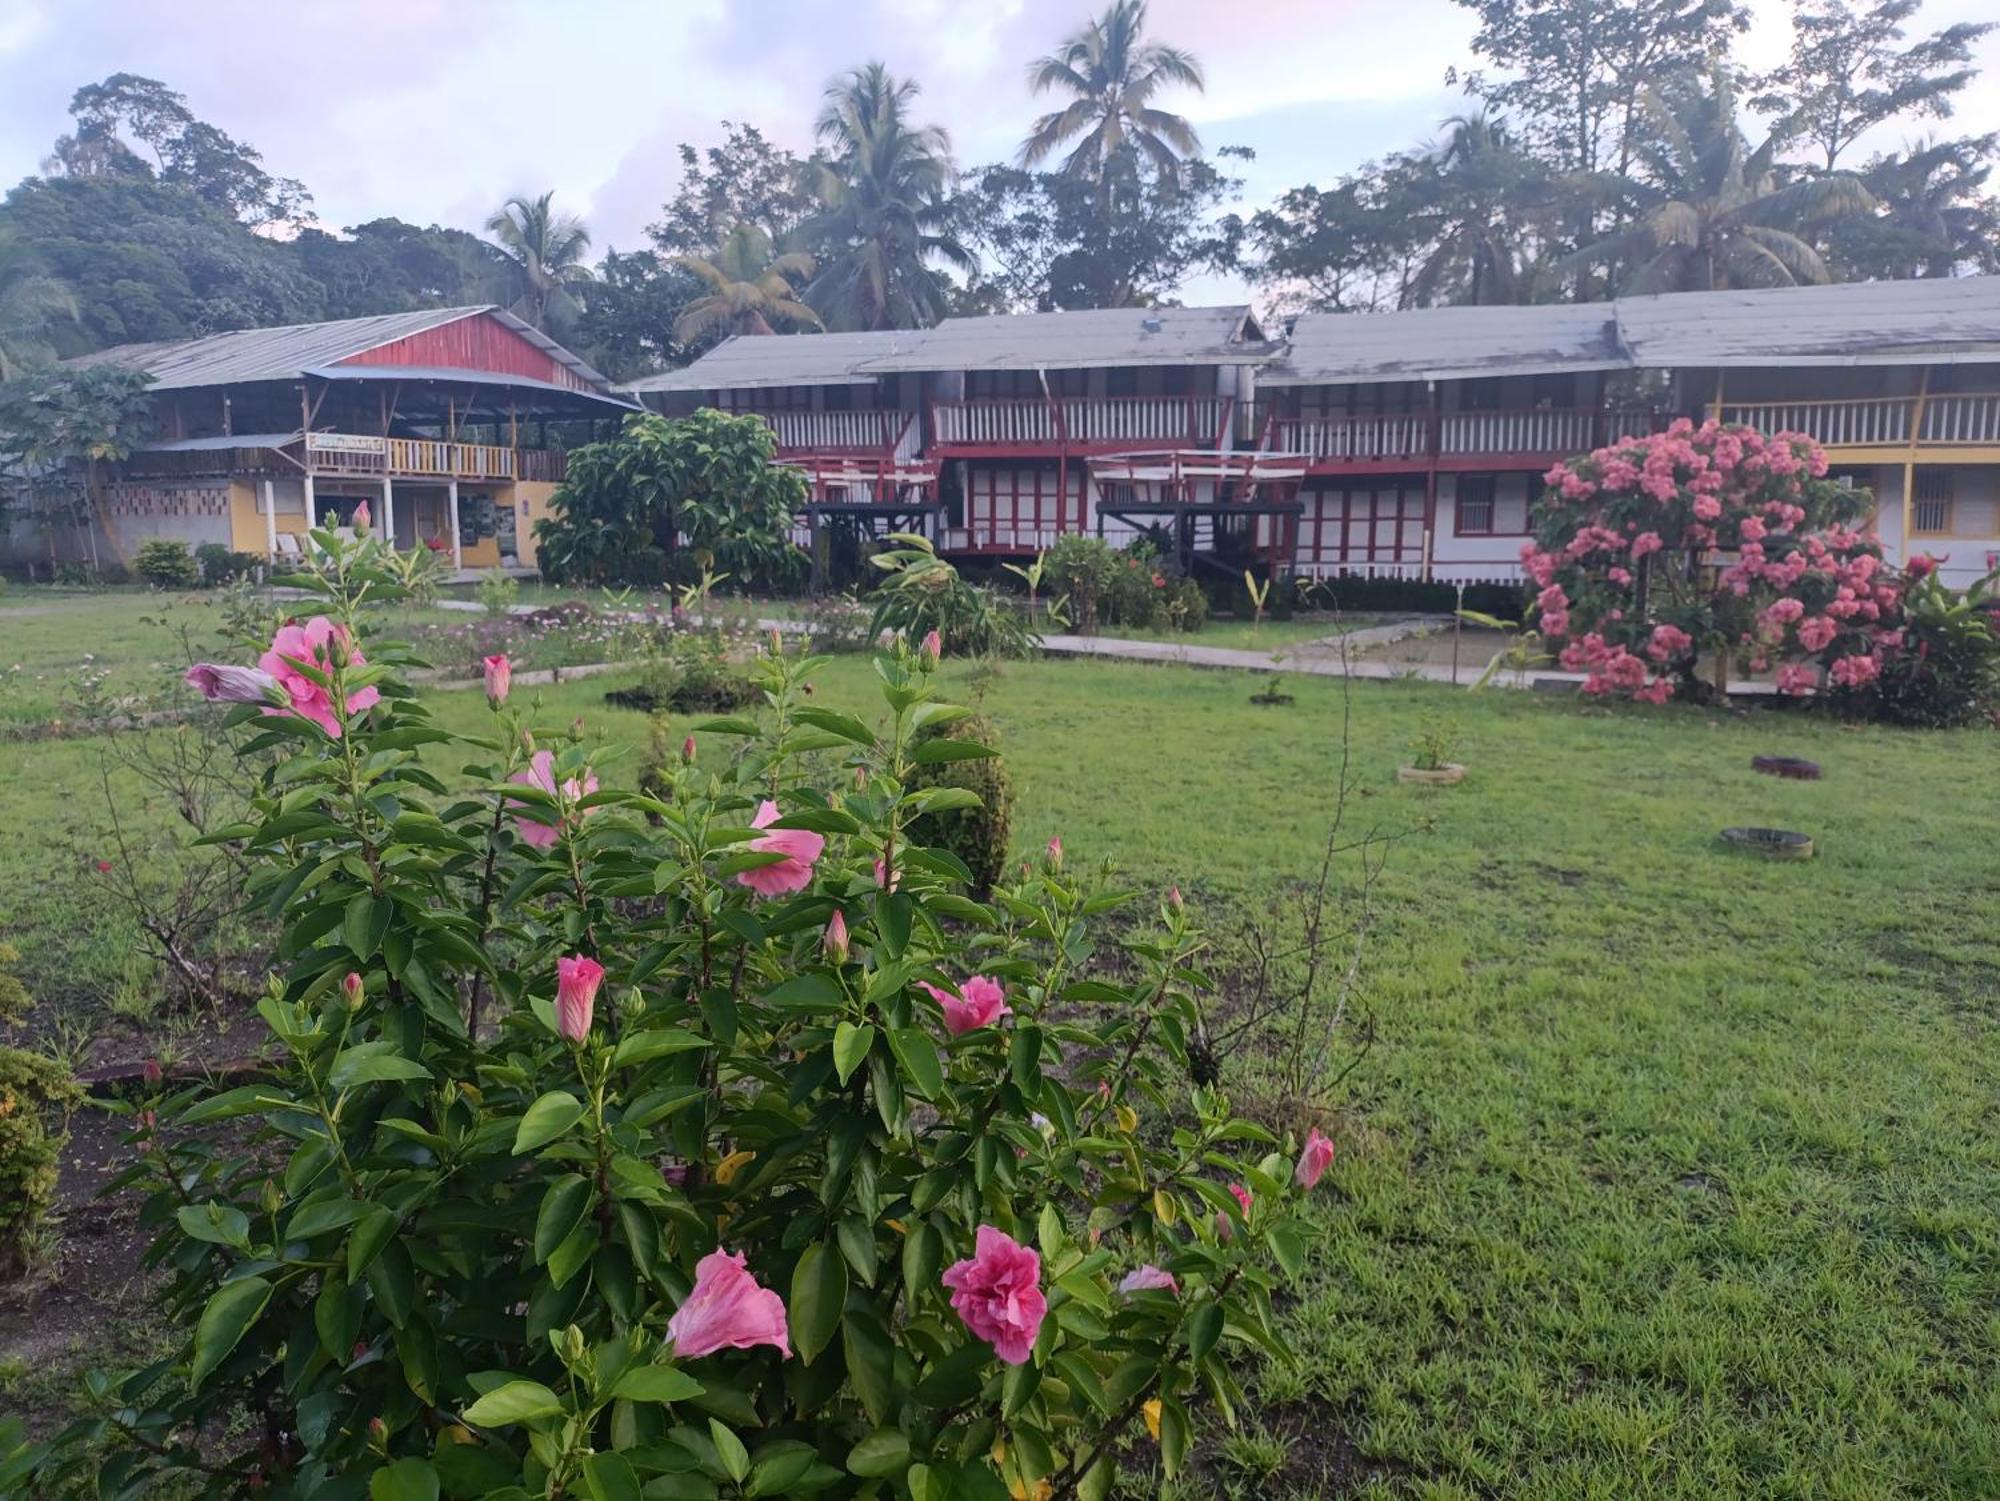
(749, 360)
(1075, 340)
(285, 352)
(1451, 343)
(1933, 320)
(212, 444)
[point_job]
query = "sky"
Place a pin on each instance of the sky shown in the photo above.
(438, 110)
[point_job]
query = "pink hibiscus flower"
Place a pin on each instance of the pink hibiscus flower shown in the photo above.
(726, 1310)
(800, 847)
(541, 773)
(980, 1002)
(997, 1293)
(313, 645)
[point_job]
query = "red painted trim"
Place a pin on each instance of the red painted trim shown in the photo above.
(477, 341)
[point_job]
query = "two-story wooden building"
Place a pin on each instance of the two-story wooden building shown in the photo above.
(451, 423)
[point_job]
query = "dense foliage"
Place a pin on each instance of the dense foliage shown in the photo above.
(668, 498)
(921, 594)
(710, 1143)
(37, 1095)
(1095, 584)
(980, 834)
(1715, 547)
(166, 563)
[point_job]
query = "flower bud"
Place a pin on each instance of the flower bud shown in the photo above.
(147, 1121)
(378, 1431)
(860, 779)
(1174, 897)
(835, 940)
(1055, 852)
(363, 518)
(576, 728)
(271, 1198)
(571, 1345)
(151, 1071)
(499, 679)
(353, 990)
(687, 751)
(933, 649)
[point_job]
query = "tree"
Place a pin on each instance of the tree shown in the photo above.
(629, 312)
(1350, 248)
(548, 250)
(1846, 74)
(187, 152)
(884, 212)
(1936, 218)
(627, 506)
(749, 288)
(56, 426)
(746, 180)
(1047, 242)
(387, 265)
(33, 306)
(1707, 211)
(1478, 195)
(1112, 75)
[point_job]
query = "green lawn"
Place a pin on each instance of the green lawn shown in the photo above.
(1673, 1173)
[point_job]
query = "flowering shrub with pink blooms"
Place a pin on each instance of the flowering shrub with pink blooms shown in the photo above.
(713, 1142)
(1714, 543)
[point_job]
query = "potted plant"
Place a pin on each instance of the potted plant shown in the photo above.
(1431, 750)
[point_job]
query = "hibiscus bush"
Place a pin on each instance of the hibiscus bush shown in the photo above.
(1713, 546)
(712, 1143)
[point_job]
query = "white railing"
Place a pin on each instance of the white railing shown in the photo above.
(1621, 423)
(995, 422)
(1529, 430)
(1001, 538)
(1192, 420)
(868, 428)
(1971, 417)
(1385, 436)
(1874, 421)
(1143, 419)
(359, 454)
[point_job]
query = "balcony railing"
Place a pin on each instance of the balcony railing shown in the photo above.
(356, 453)
(1971, 417)
(1393, 435)
(865, 430)
(1550, 430)
(1196, 421)
(1870, 422)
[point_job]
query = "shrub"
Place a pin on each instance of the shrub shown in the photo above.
(1082, 570)
(842, 1188)
(496, 592)
(978, 835)
(921, 592)
(15, 1002)
(166, 564)
(219, 565)
(1180, 605)
(37, 1095)
(1946, 670)
(688, 672)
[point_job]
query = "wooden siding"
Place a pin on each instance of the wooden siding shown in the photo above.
(477, 342)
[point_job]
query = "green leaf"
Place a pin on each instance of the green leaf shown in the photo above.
(515, 1402)
(656, 1383)
(562, 1207)
(729, 1449)
(250, 1099)
(322, 1216)
(1024, 1059)
(871, 1364)
(610, 1477)
(405, 1480)
(358, 1067)
(923, 1254)
(218, 1224)
(808, 992)
(942, 799)
(642, 1046)
(1290, 1251)
(364, 923)
(917, 1056)
(834, 722)
(886, 1451)
(231, 1310)
(927, 1484)
(1204, 1327)
(819, 1293)
(370, 1234)
(550, 1116)
(851, 1042)
(893, 911)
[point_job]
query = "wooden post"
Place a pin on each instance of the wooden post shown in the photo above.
(270, 521)
(451, 508)
(227, 430)
(1910, 463)
(1715, 412)
(312, 516)
(389, 512)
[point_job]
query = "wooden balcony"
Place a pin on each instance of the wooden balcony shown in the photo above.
(1367, 436)
(1558, 431)
(868, 430)
(1872, 422)
(430, 458)
(1528, 435)
(1083, 422)
(1968, 419)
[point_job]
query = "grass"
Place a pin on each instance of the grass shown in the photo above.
(1673, 1173)
(1244, 635)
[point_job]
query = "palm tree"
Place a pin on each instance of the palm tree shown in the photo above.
(33, 305)
(548, 251)
(751, 288)
(1483, 189)
(883, 210)
(1936, 218)
(1710, 212)
(1113, 75)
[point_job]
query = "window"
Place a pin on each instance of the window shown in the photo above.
(1557, 391)
(1475, 505)
(1933, 501)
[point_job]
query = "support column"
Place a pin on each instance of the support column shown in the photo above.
(451, 510)
(312, 515)
(271, 521)
(389, 512)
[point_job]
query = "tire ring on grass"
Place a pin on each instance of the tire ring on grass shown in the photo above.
(1774, 844)
(1795, 767)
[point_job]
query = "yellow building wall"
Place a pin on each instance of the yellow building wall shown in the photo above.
(246, 522)
(531, 504)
